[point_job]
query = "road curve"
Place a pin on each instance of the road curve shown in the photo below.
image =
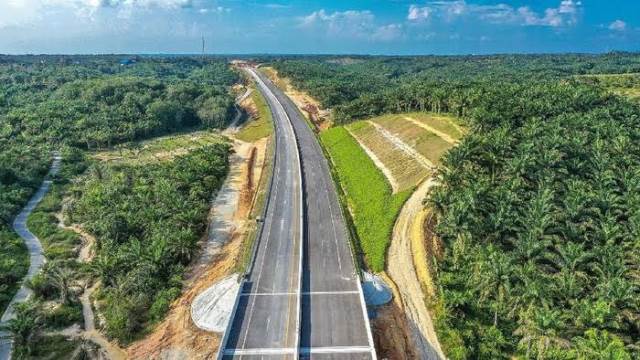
(267, 319)
(335, 324)
(333, 321)
(36, 255)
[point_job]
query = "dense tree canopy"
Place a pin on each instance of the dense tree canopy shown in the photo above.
(91, 102)
(147, 219)
(537, 207)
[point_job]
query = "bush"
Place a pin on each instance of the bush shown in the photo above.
(63, 316)
(163, 301)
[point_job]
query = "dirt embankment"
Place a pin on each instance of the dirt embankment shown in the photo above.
(177, 337)
(306, 104)
(408, 268)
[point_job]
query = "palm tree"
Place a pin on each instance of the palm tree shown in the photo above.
(540, 329)
(599, 345)
(25, 326)
(60, 277)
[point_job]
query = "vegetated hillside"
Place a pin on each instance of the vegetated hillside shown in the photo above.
(537, 207)
(377, 85)
(147, 219)
(89, 102)
(375, 190)
(539, 212)
(623, 84)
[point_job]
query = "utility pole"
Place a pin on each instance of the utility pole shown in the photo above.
(203, 47)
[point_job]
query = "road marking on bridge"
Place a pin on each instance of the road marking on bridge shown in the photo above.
(304, 350)
(303, 293)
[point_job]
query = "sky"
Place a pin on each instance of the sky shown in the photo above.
(318, 27)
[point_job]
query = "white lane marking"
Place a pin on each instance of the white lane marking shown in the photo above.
(333, 224)
(302, 293)
(281, 110)
(304, 350)
(266, 246)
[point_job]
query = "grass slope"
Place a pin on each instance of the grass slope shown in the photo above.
(373, 206)
(262, 125)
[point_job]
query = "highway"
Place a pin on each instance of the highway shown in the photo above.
(331, 319)
(268, 313)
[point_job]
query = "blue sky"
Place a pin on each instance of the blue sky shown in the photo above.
(367, 27)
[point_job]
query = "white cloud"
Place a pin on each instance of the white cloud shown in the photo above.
(618, 25)
(387, 32)
(566, 14)
(345, 23)
(353, 24)
(20, 13)
(418, 13)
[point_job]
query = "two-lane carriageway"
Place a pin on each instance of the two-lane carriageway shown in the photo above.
(331, 319)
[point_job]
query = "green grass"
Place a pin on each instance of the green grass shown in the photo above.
(58, 243)
(372, 204)
(260, 127)
(161, 148)
(14, 262)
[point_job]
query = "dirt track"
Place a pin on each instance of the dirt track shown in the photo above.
(402, 271)
(177, 337)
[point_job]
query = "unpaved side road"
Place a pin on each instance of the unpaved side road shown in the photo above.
(402, 271)
(177, 337)
(36, 255)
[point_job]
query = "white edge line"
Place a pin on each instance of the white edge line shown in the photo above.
(366, 320)
(305, 293)
(358, 280)
(305, 350)
(227, 331)
(301, 248)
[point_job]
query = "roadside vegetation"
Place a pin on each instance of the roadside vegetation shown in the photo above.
(77, 105)
(259, 125)
(535, 206)
(147, 220)
(88, 103)
(368, 195)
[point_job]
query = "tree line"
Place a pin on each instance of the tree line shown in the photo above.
(536, 207)
(87, 103)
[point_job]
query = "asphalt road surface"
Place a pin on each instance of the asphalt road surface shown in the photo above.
(268, 314)
(333, 322)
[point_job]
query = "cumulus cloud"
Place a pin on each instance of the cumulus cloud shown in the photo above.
(418, 13)
(347, 23)
(565, 14)
(356, 24)
(387, 32)
(18, 12)
(618, 25)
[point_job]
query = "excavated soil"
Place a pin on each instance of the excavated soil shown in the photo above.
(408, 234)
(177, 337)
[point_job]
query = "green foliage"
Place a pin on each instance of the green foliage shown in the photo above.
(63, 316)
(147, 220)
(14, 262)
(538, 211)
(260, 126)
(367, 86)
(74, 103)
(368, 194)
